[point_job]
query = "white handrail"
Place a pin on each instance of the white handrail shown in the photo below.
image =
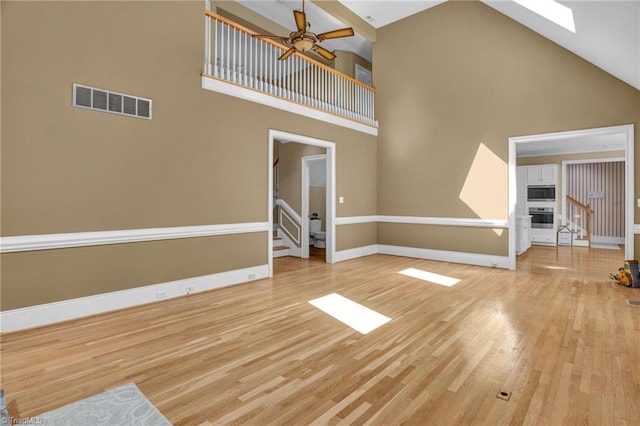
(233, 55)
(294, 218)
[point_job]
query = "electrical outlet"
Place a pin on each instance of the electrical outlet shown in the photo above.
(252, 276)
(189, 290)
(161, 294)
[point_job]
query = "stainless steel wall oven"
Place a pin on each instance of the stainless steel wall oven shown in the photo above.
(541, 217)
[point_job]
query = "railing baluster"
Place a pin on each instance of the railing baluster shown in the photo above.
(261, 61)
(229, 54)
(216, 26)
(296, 83)
(250, 61)
(271, 67)
(288, 80)
(207, 44)
(325, 88)
(315, 86)
(234, 63)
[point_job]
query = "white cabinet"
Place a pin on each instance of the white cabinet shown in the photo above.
(523, 234)
(544, 174)
(521, 191)
(521, 181)
(545, 237)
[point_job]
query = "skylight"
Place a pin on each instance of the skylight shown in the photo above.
(552, 10)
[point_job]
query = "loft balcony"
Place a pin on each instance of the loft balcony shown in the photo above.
(240, 65)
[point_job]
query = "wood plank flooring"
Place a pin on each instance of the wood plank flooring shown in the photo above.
(557, 333)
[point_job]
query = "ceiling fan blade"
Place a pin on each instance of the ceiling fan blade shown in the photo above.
(329, 56)
(344, 32)
(301, 20)
(286, 54)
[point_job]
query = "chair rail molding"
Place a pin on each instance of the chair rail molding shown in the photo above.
(83, 239)
(420, 220)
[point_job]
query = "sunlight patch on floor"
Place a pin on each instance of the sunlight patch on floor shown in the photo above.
(431, 277)
(356, 316)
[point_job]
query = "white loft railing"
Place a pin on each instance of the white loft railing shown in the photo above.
(287, 212)
(234, 56)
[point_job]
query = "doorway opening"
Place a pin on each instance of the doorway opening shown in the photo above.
(314, 205)
(297, 213)
(615, 138)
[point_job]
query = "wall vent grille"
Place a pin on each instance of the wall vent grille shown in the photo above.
(112, 102)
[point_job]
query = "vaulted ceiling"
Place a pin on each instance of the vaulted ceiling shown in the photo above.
(607, 33)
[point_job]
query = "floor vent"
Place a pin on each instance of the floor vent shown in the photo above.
(633, 302)
(504, 395)
(112, 102)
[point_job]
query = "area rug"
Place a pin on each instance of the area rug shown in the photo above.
(121, 406)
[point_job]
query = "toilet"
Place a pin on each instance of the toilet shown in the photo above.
(316, 236)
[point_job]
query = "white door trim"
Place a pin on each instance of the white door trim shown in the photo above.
(306, 163)
(626, 130)
(330, 224)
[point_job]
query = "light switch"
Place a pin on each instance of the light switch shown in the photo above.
(638, 202)
(341, 201)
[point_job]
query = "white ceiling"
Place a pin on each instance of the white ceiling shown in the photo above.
(380, 12)
(281, 12)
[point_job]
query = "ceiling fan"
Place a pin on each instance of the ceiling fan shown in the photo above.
(303, 40)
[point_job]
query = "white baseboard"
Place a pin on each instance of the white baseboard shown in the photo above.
(356, 252)
(50, 313)
(447, 256)
(441, 255)
(607, 240)
(580, 243)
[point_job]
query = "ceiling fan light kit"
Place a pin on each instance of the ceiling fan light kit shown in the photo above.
(302, 40)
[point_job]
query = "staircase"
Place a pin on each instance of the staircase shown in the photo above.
(579, 221)
(280, 247)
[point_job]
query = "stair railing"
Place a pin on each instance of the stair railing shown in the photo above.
(288, 216)
(579, 216)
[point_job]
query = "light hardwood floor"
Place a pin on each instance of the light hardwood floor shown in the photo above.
(557, 333)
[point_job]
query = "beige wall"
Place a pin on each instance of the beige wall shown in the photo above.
(318, 203)
(476, 77)
(46, 276)
(290, 171)
(345, 62)
(202, 160)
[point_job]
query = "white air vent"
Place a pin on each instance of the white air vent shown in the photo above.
(112, 102)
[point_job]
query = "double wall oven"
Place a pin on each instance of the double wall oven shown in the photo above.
(541, 200)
